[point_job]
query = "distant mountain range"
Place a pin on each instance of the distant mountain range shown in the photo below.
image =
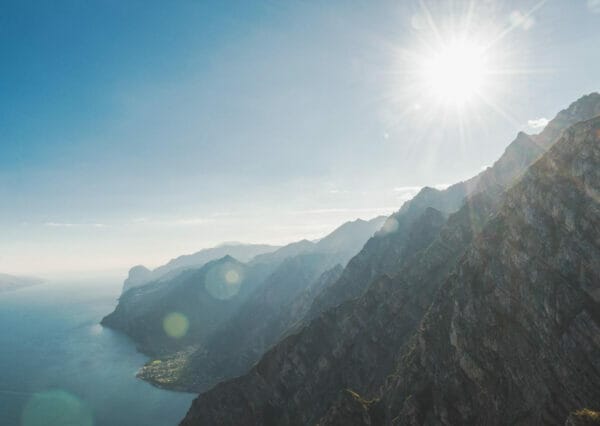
(11, 282)
(264, 286)
(478, 304)
(140, 275)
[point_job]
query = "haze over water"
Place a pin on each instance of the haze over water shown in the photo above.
(52, 349)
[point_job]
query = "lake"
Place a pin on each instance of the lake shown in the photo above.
(60, 367)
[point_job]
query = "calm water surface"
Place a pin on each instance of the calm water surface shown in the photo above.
(60, 367)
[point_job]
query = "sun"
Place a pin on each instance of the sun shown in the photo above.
(455, 73)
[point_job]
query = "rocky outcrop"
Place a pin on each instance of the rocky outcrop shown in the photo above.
(584, 417)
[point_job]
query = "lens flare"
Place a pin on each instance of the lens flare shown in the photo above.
(224, 281)
(232, 277)
(176, 325)
(56, 408)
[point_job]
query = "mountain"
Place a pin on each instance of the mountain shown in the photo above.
(11, 282)
(140, 275)
(142, 310)
(201, 299)
(389, 353)
(513, 337)
(278, 304)
(387, 250)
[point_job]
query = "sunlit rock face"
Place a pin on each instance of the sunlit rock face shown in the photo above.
(373, 344)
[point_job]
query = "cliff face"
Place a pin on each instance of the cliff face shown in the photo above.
(395, 345)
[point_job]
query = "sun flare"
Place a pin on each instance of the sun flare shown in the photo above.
(455, 73)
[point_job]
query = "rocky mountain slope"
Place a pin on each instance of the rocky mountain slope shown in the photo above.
(356, 345)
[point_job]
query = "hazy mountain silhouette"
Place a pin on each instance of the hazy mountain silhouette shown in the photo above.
(140, 275)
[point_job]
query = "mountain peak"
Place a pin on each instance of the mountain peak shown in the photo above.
(584, 108)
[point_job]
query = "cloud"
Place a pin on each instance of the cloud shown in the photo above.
(521, 20)
(187, 221)
(538, 123)
(418, 21)
(376, 210)
(74, 225)
(594, 6)
(407, 188)
(415, 189)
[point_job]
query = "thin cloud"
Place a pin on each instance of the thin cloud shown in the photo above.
(407, 188)
(594, 6)
(188, 221)
(346, 210)
(74, 225)
(521, 20)
(538, 123)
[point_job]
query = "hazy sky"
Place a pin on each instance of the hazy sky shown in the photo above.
(134, 131)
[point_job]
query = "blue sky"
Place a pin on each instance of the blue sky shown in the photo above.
(134, 131)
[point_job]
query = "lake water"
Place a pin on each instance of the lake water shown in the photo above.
(60, 367)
